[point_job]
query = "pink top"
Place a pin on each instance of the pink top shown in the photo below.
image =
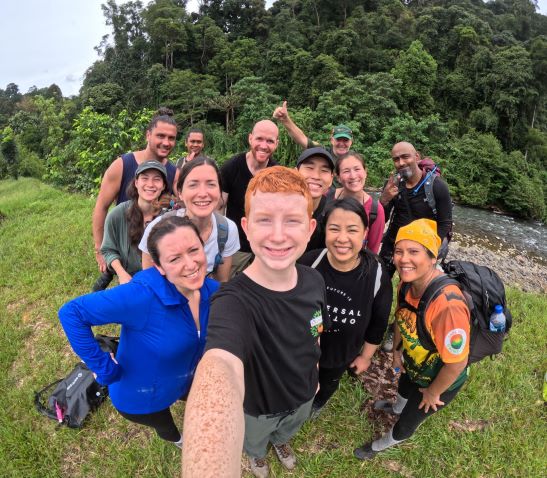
(375, 233)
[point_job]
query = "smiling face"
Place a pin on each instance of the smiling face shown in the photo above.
(405, 159)
(150, 184)
(195, 143)
(412, 261)
(318, 175)
(278, 227)
(340, 146)
(182, 259)
(161, 140)
(352, 174)
(263, 141)
(344, 236)
(201, 191)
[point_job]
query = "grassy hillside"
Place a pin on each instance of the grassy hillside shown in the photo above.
(46, 259)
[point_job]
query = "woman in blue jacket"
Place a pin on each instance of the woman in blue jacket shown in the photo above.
(164, 313)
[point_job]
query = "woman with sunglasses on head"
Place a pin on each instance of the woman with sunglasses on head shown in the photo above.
(163, 313)
(351, 172)
(359, 296)
(431, 377)
(199, 188)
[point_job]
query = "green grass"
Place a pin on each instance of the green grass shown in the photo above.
(47, 258)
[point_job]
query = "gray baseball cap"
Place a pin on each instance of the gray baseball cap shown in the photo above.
(153, 164)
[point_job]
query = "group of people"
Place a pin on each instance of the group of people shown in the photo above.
(254, 295)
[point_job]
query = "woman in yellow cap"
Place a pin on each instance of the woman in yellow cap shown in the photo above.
(431, 353)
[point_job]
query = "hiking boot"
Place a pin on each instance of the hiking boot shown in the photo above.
(365, 452)
(259, 467)
(315, 412)
(385, 406)
(286, 455)
(102, 282)
(387, 346)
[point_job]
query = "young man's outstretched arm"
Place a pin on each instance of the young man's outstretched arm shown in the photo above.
(214, 425)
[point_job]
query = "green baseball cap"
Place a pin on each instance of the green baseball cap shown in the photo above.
(342, 131)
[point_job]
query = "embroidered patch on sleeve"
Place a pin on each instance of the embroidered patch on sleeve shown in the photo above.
(455, 341)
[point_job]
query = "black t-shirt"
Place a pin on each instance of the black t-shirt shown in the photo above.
(275, 335)
(408, 207)
(235, 179)
(317, 239)
(357, 315)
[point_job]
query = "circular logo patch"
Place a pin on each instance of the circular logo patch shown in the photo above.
(455, 341)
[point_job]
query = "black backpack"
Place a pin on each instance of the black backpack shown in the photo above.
(482, 289)
(73, 397)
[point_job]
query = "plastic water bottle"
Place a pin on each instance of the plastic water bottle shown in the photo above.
(497, 319)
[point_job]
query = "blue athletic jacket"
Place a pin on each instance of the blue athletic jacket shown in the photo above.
(159, 342)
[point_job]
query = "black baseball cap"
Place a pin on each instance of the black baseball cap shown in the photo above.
(317, 151)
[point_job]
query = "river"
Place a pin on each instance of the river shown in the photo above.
(505, 232)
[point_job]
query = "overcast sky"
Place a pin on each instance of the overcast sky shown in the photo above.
(51, 41)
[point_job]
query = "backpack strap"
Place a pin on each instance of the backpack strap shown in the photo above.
(378, 280)
(39, 402)
(429, 196)
(319, 258)
(222, 238)
(373, 212)
(431, 292)
(427, 183)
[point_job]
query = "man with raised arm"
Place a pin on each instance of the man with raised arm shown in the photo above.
(256, 382)
(161, 135)
(236, 174)
(340, 141)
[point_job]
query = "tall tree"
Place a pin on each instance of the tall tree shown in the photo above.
(509, 86)
(164, 22)
(188, 94)
(8, 148)
(417, 70)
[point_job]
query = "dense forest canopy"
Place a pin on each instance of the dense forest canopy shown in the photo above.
(464, 80)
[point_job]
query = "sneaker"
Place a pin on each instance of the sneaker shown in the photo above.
(102, 282)
(315, 412)
(365, 452)
(385, 406)
(259, 467)
(178, 444)
(388, 342)
(286, 455)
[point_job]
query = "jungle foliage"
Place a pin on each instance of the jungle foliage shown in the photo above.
(464, 80)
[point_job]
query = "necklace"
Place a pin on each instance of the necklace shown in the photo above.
(342, 195)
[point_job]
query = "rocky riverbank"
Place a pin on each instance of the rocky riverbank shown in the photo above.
(516, 268)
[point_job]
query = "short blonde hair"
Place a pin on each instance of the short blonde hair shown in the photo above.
(278, 179)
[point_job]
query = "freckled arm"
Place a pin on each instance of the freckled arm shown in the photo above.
(213, 423)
